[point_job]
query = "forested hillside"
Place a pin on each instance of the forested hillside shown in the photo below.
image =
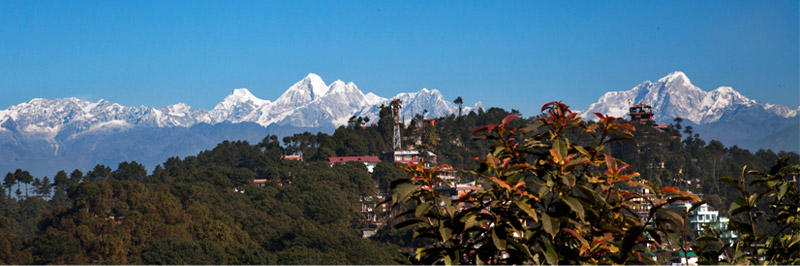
(205, 209)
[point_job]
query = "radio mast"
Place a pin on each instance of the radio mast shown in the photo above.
(396, 105)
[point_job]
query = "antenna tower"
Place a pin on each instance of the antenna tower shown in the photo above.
(396, 105)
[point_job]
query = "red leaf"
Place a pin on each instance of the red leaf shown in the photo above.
(479, 129)
(601, 116)
(673, 189)
(548, 104)
(508, 119)
(490, 127)
(520, 184)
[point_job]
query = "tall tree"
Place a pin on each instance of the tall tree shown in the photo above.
(25, 177)
(61, 182)
(678, 121)
(37, 183)
(459, 101)
(100, 172)
(44, 187)
(75, 178)
(9, 182)
(130, 171)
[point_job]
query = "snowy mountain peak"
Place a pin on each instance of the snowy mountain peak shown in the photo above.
(304, 91)
(337, 86)
(373, 99)
(237, 107)
(676, 77)
(675, 96)
(179, 108)
(243, 95)
(308, 103)
(316, 84)
(727, 90)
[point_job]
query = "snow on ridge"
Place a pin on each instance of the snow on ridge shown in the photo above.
(113, 124)
(675, 96)
(373, 99)
(307, 103)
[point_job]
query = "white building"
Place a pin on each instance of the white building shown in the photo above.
(705, 215)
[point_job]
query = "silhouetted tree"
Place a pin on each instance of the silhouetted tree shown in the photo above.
(459, 101)
(9, 182)
(24, 177)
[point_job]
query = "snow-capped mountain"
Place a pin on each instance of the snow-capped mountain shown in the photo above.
(71, 132)
(307, 103)
(675, 96)
(239, 106)
(723, 114)
(69, 117)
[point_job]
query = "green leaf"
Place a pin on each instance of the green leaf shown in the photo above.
(498, 242)
(524, 250)
(575, 205)
(422, 209)
(751, 201)
(583, 151)
(448, 260)
(527, 209)
(561, 147)
(629, 241)
(672, 214)
(444, 231)
(550, 253)
(706, 238)
(550, 225)
(471, 222)
(403, 191)
(420, 252)
(696, 205)
(729, 180)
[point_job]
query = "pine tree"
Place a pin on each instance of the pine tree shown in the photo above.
(25, 177)
(9, 182)
(37, 184)
(44, 187)
(74, 178)
(61, 182)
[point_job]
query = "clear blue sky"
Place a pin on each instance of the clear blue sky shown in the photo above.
(508, 54)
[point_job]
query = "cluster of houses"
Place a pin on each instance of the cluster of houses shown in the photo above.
(376, 212)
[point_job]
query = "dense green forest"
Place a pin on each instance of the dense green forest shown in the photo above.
(205, 209)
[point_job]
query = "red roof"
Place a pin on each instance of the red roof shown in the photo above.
(291, 157)
(259, 181)
(641, 105)
(369, 159)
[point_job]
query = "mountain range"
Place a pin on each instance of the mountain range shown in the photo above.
(45, 135)
(722, 114)
(49, 135)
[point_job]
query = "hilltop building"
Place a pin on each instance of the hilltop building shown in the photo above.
(642, 114)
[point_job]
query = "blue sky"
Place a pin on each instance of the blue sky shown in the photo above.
(511, 54)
